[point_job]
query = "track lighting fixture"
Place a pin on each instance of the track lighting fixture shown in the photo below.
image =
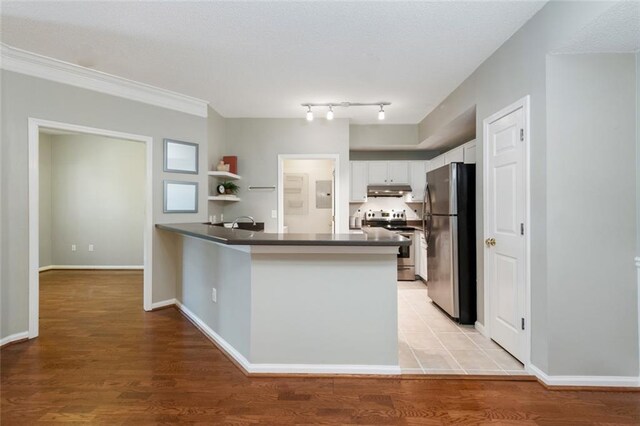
(330, 114)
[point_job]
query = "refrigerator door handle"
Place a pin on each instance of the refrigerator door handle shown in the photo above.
(426, 227)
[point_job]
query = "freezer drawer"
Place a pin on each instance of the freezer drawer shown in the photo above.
(442, 264)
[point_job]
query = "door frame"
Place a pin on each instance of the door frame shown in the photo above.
(336, 182)
(523, 103)
(35, 125)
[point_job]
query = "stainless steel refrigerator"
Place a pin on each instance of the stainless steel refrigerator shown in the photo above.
(449, 224)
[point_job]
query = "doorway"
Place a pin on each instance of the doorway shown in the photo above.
(307, 193)
(506, 227)
(38, 127)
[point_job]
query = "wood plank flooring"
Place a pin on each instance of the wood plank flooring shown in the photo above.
(100, 359)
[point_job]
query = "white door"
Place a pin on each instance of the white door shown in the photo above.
(505, 244)
(398, 172)
(377, 173)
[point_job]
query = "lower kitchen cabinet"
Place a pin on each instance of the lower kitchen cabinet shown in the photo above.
(421, 256)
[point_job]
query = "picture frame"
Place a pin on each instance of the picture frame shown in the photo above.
(180, 196)
(180, 157)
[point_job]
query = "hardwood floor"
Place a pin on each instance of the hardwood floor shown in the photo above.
(100, 359)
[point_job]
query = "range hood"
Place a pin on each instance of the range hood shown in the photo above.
(398, 190)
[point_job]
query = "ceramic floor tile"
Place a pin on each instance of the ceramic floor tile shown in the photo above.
(474, 360)
(487, 372)
(436, 371)
(456, 341)
(436, 359)
(484, 342)
(442, 325)
(406, 358)
(504, 359)
(422, 340)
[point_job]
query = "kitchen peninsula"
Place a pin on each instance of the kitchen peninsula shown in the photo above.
(292, 303)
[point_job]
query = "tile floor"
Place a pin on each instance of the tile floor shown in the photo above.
(431, 343)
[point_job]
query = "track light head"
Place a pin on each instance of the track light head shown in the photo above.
(309, 113)
(381, 113)
(330, 113)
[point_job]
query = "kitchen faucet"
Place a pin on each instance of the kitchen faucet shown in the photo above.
(235, 222)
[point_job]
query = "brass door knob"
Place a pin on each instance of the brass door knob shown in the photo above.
(490, 242)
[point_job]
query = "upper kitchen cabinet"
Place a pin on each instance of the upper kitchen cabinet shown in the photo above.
(470, 152)
(359, 180)
(463, 154)
(456, 155)
(388, 172)
(418, 179)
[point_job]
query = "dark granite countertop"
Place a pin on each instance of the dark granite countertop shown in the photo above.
(370, 237)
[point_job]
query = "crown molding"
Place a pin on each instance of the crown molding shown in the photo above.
(32, 64)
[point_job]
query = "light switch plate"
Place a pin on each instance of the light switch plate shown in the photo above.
(214, 295)
(73, 247)
(90, 247)
(274, 214)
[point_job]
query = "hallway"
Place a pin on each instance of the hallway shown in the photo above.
(101, 359)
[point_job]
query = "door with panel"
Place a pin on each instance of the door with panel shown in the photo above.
(505, 244)
(418, 179)
(359, 181)
(398, 172)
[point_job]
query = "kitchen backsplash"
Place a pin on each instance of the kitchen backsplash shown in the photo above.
(412, 210)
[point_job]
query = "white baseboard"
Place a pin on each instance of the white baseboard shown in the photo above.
(127, 267)
(480, 329)
(14, 337)
(599, 381)
(164, 303)
(285, 368)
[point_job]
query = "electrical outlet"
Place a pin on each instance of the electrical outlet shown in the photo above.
(73, 247)
(274, 214)
(90, 247)
(214, 295)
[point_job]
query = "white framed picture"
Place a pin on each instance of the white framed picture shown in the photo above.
(180, 197)
(180, 157)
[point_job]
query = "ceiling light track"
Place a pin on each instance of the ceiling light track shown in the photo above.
(332, 105)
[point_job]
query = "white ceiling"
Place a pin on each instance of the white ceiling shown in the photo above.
(616, 30)
(262, 59)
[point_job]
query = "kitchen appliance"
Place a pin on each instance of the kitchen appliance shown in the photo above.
(398, 190)
(396, 221)
(449, 223)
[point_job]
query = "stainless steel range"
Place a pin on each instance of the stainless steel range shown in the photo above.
(396, 221)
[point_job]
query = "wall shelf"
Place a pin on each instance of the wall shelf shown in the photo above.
(223, 198)
(224, 175)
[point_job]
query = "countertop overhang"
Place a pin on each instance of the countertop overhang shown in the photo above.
(372, 237)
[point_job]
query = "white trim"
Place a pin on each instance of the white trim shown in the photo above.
(164, 303)
(637, 259)
(337, 227)
(608, 381)
(481, 329)
(127, 267)
(523, 103)
(285, 368)
(13, 337)
(34, 256)
(24, 62)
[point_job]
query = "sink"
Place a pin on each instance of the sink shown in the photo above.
(259, 226)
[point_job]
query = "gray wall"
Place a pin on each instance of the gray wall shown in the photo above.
(216, 135)
(257, 143)
(591, 196)
(46, 257)
(392, 155)
(517, 69)
(96, 196)
(24, 97)
(363, 136)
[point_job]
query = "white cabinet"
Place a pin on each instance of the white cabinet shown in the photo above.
(456, 155)
(378, 172)
(470, 152)
(437, 162)
(417, 180)
(359, 180)
(398, 172)
(388, 172)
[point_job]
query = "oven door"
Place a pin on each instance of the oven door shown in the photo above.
(405, 253)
